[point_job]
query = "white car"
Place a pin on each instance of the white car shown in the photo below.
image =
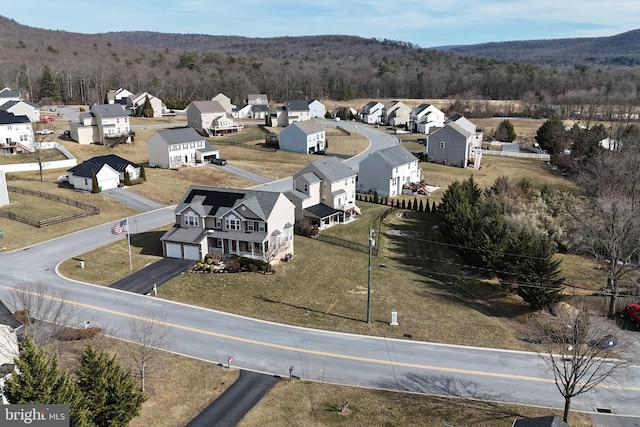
(44, 132)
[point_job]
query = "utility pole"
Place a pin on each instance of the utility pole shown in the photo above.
(372, 242)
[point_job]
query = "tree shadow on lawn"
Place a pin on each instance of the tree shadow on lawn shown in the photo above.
(461, 394)
(310, 310)
(149, 242)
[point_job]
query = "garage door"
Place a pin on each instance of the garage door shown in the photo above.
(192, 252)
(174, 250)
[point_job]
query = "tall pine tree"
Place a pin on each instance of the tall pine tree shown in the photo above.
(38, 379)
(111, 393)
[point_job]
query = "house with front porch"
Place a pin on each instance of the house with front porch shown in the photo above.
(307, 137)
(226, 221)
(324, 194)
(175, 148)
(16, 134)
(387, 171)
(371, 113)
(210, 118)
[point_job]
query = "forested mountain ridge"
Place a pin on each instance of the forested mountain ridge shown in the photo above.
(70, 67)
(620, 49)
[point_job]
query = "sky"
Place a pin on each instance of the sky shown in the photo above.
(424, 23)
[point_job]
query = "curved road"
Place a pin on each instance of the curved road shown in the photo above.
(485, 374)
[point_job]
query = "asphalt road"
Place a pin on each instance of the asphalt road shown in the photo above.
(228, 409)
(403, 365)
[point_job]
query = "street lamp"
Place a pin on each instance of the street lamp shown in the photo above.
(372, 243)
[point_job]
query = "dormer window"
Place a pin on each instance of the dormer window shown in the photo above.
(191, 219)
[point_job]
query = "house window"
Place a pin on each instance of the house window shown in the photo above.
(306, 188)
(191, 219)
(262, 227)
(233, 224)
(250, 225)
(218, 243)
(218, 223)
(442, 144)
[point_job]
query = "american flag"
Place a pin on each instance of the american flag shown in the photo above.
(120, 227)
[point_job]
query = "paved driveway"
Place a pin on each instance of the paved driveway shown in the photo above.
(158, 273)
(133, 199)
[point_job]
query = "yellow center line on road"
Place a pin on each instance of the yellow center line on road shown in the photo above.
(313, 352)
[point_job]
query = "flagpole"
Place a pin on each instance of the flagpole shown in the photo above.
(129, 243)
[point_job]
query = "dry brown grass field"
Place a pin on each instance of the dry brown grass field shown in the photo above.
(470, 312)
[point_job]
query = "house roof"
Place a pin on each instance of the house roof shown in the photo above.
(546, 421)
(254, 96)
(216, 201)
(260, 108)
(9, 93)
(370, 105)
(420, 108)
(107, 111)
(184, 234)
(329, 167)
(396, 155)
(7, 118)
(308, 127)
(296, 105)
(208, 106)
(7, 318)
(179, 136)
(13, 102)
(94, 164)
(320, 211)
(451, 125)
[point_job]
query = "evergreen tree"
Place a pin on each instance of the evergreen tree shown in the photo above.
(111, 393)
(94, 183)
(532, 271)
(404, 205)
(375, 197)
(38, 379)
(421, 207)
(415, 203)
(147, 109)
(127, 178)
(143, 174)
(552, 136)
(49, 87)
(505, 132)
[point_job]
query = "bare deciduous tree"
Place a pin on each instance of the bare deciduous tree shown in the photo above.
(576, 349)
(43, 310)
(149, 334)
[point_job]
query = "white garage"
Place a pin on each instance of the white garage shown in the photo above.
(177, 250)
(174, 250)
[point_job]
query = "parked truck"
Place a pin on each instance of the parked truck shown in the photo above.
(631, 314)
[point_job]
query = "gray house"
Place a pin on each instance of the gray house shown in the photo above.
(449, 145)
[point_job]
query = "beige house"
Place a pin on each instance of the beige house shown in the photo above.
(174, 148)
(22, 108)
(324, 194)
(136, 102)
(395, 113)
(225, 101)
(288, 113)
(210, 118)
(106, 124)
(248, 223)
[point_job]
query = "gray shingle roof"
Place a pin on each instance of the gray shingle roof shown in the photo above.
(108, 111)
(9, 93)
(179, 136)
(296, 105)
(396, 155)
(7, 318)
(7, 118)
(329, 167)
(308, 127)
(208, 107)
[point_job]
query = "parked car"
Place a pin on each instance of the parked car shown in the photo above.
(46, 118)
(219, 161)
(44, 132)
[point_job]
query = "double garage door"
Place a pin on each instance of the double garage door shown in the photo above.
(177, 250)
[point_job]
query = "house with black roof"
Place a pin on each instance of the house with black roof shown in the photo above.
(289, 112)
(109, 171)
(226, 221)
(16, 133)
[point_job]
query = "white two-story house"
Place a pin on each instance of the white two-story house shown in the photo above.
(305, 137)
(386, 171)
(324, 194)
(425, 117)
(106, 124)
(174, 148)
(249, 223)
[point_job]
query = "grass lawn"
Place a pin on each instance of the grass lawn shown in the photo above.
(414, 274)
